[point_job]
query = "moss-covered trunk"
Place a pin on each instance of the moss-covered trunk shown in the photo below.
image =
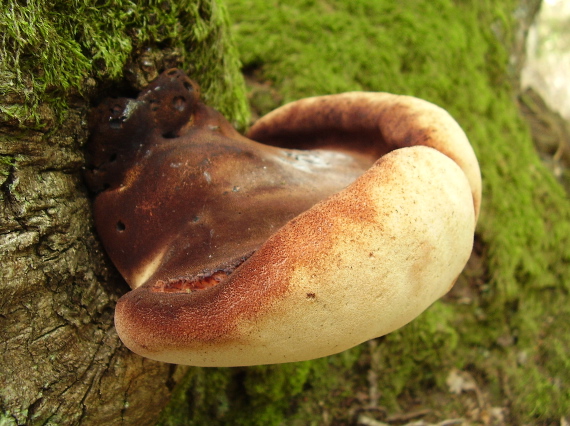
(62, 362)
(499, 340)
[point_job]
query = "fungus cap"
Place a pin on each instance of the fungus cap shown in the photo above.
(353, 216)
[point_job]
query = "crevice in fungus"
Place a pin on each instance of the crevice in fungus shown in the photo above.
(188, 285)
(197, 282)
(169, 135)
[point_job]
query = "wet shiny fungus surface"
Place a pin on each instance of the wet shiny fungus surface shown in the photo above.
(182, 198)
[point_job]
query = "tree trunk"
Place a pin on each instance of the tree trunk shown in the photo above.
(62, 360)
(499, 338)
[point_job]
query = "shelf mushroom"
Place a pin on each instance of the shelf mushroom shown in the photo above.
(337, 219)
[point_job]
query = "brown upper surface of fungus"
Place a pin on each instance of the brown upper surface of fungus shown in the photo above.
(367, 202)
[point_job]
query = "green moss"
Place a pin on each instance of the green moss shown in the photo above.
(50, 50)
(7, 162)
(422, 346)
(260, 395)
(512, 336)
(7, 420)
(200, 397)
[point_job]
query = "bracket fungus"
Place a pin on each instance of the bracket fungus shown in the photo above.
(337, 219)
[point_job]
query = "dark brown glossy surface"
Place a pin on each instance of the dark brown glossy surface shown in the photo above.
(182, 195)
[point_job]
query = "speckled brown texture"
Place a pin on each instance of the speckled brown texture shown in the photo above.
(318, 249)
(367, 277)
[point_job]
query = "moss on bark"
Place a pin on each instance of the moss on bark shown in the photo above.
(51, 50)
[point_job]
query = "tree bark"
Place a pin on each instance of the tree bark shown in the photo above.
(62, 362)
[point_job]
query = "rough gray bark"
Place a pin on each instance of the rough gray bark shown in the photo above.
(62, 360)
